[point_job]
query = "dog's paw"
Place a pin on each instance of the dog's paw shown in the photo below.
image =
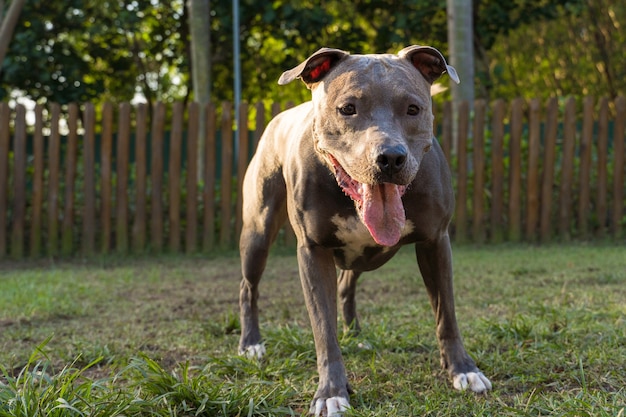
(330, 407)
(475, 381)
(253, 352)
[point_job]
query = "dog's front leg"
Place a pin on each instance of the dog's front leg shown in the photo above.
(435, 263)
(319, 284)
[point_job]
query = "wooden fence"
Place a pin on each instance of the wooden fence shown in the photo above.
(77, 180)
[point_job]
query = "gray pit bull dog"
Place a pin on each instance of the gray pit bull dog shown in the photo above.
(358, 174)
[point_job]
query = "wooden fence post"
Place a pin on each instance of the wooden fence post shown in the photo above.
(141, 182)
(497, 171)
(54, 155)
(227, 175)
(208, 192)
(547, 182)
(156, 177)
(191, 215)
(38, 188)
(567, 169)
(515, 170)
(18, 219)
(461, 194)
(121, 166)
(532, 178)
(71, 160)
(106, 167)
(88, 242)
(619, 131)
(176, 144)
(603, 160)
(478, 154)
(586, 148)
(5, 117)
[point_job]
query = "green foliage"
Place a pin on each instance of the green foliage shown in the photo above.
(78, 51)
(578, 53)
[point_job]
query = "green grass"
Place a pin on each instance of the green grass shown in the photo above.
(158, 336)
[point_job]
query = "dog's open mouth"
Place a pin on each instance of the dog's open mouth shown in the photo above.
(379, 205)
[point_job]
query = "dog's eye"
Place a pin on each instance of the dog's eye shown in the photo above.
(413, 110)
(347, 110)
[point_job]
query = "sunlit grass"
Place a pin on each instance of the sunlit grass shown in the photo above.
(148, 337)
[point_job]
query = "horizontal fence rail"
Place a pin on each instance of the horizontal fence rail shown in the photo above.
(81, 180)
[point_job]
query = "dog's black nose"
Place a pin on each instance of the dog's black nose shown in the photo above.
(392, 159)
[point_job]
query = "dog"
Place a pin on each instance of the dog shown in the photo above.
(358, 173)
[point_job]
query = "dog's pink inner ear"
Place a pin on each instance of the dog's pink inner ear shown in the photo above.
(429, 65)
(319, 71)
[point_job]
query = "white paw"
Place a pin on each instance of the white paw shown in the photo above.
(475, 381)
(331, 407)
(365, 345)
(253, 352)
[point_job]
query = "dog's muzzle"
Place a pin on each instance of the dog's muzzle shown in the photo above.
(379, 205)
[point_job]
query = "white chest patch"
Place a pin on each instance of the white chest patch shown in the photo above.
(353, 233)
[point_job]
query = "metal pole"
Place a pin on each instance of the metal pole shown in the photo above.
(237, 68)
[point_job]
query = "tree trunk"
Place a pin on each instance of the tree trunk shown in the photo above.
(460, 40)
(199, 30)
(8, 26)
(460, 45)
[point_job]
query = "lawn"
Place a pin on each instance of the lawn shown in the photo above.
(158, 337)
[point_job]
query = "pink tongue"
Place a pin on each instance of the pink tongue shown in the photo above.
(383, 212)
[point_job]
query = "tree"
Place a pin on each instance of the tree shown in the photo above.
(199, 31)
(86, 50)
(7, 25)
(461, 50)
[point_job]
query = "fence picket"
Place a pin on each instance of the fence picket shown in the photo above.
(532, 176)
(497, 171)
(175, 155)
(585, 167)
(567, 169)
(140, 220)
(88, 240)
(38, 190)
(121, 168)
(54, 155)
(227, 169)
(547, 180)
(5, 118)
(549, 175)
(71, 160)
(515, 171)
(156, 177)
(603, 153)
(106, 173)
(619, 137)
(208, 192)
(18, 219)
(191, 215)
(461, 196)
(478, 154)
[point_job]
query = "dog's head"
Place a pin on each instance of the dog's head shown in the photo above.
(373, 125)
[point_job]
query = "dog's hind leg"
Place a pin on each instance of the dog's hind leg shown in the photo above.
(347, 297)
(264, 212)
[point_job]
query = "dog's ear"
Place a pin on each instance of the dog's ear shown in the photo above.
(429, 61)
(315, 67)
